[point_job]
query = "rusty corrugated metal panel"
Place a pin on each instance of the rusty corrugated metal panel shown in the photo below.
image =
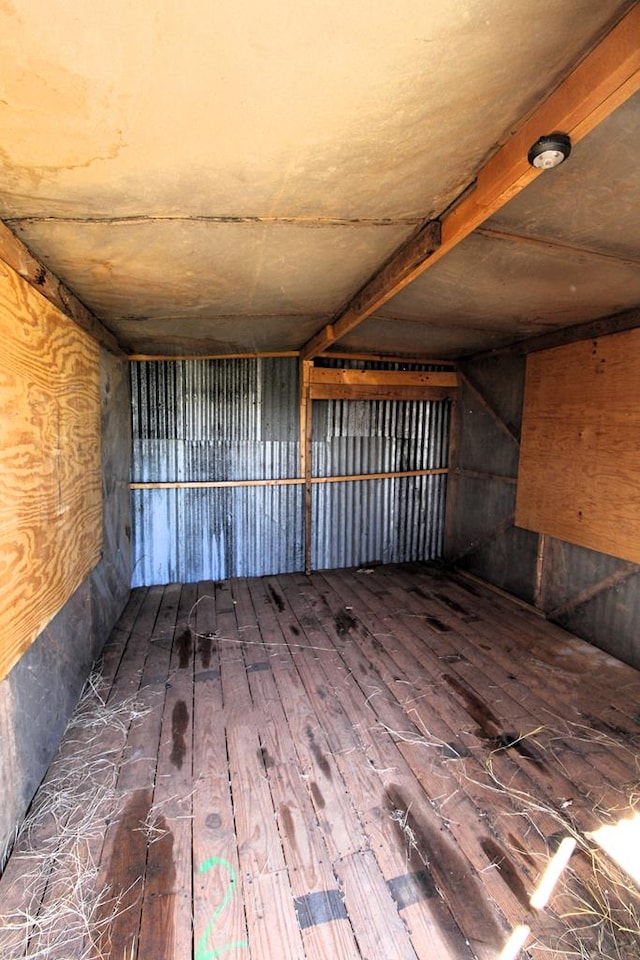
(378, 521)
(215, 420)
(238, 420)
(212, 534)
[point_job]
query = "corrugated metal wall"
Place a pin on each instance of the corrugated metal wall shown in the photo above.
(383, 521)
(239, 420)
(215, 420)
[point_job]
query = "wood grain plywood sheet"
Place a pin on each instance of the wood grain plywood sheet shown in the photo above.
(580, 455)
(50, 495)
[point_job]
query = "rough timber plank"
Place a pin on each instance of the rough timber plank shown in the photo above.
(386, 784)
(557, 670)
(305, 652)
(305, 848)
(426, 749)
(550, 653)
(266, 889)
(432, 929)
(334, 809)
(367, 662)
(218, 911)
(116, 647)
(124, 853)
(473, 677)
(166, 910)
(513, 849)
(18, 885)
(597, 763)
(381, 935)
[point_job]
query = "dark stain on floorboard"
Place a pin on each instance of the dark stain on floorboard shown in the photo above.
(184, 644)
(426, 845)
(455, 607)
(205, 647)
(294, 630)
(160, 886)
(419, 593)
(318, 755)
(522, 851)
(316, 793)
(265, 758)
(377, 644)
(513, 741)
(179, 725)
(454, 750)
(411, 888)
(436, 624)
(603, 726)
(508, 870)
(124, 873)
(277, 599)
(344, 622)
(487, 722)
(288, 825)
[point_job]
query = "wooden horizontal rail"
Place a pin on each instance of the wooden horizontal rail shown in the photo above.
(383, 476)
(363, 391)
(267, 354)
(338, 383)
(479, 475)
(388, 378)
(288, 481)
(389, 358)
(16, 255)
(413, 359)
(212, 484)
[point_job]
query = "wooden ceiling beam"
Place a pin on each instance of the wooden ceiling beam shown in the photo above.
(600, 83)
(18, 256)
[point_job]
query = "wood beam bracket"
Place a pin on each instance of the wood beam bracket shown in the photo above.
(502, 424)
(613, 580)
(475, 545)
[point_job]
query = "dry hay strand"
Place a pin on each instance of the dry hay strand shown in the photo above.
(57, 907)
(594, 897)
(596, 900)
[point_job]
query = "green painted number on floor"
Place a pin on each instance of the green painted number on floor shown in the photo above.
(202, 951)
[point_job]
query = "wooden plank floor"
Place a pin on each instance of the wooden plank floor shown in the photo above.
(371, 764)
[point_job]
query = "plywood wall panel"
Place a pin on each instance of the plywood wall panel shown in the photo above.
(50, 490)
(580, 455)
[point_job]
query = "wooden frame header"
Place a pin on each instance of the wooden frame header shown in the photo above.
(332, 383)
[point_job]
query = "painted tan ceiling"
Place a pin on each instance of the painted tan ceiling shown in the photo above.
(224, 177)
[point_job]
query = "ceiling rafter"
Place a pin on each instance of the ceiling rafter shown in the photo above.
(600, 83)
(547, 243)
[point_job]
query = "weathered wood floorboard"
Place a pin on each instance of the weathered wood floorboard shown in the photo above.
(349, 765)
